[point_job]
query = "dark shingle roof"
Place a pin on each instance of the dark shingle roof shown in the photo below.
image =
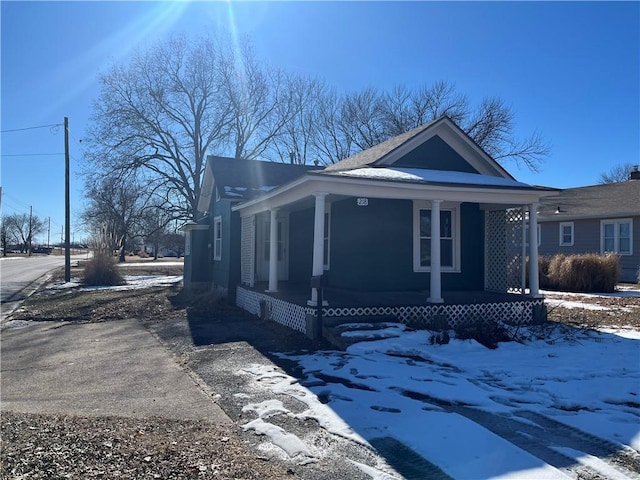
(240, 179)
(596, 201)
(377, 152)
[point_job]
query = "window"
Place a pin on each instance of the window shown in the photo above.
(616, 236)
(566, 234)
(217, 238)
(449, 238)
(327, 236)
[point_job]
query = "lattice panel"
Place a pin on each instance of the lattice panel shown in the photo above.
(247, 252)
(503, 250)
(520, 312)
(286, 313)
(495, 255)
(294, 316)
(513, 230)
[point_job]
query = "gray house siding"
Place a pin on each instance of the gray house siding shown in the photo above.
(435, 154)
(630, 264)
(220, 269)
(196, 263)
(586, 238)
(300, 246)
(235, 233)
(371, 248)
(586, 235)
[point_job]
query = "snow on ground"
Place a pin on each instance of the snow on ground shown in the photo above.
(441, 400)
(586, 300)
(404, 387)
(132, 282)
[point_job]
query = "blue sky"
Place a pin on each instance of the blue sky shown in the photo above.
(570, 70)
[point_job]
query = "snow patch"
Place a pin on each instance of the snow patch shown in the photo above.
(278, 436)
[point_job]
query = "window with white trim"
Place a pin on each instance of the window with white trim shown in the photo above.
(616, 236)
(566, 234)
(449, 237)
(217, 238)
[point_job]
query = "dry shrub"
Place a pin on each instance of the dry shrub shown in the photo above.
(543, 271)
(102, 269)
(588, 272)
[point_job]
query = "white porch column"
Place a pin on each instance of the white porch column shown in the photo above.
(273, 251)
(318, 242)
(435, 294)
(534, 287)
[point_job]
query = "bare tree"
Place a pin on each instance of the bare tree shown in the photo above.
(115, 206)
(295, 141)
(261, 102)
(23, 228)
(161, 113)
(362, 118)
(5, 237)
(332, 141)
(617, 173)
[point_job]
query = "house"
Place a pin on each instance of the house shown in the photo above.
(363, 229)
(595, 219)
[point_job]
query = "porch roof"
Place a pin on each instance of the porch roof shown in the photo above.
(397, 183)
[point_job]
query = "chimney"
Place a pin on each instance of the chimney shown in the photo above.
(292, 157)
(635, 174)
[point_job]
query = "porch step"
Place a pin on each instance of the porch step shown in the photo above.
(360, 329)
(358, 319)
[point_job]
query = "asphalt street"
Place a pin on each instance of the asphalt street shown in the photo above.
(16, 273)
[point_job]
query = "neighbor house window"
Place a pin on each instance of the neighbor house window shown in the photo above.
(327, 236)
(566, 234)
(616, 236)
(217, 238)
(449, 237)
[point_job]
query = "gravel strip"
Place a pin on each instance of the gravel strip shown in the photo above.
(69, 447)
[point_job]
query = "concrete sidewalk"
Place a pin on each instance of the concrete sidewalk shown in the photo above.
(111, 368)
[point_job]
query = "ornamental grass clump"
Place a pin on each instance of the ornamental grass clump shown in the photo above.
(102, 269)
(588, 272)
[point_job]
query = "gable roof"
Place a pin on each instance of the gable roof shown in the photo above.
(609, 200)
(240, 179)
(444, 130)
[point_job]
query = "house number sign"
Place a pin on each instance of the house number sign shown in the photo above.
(362, 202)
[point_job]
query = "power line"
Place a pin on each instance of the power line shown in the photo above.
(30, 154)
(32, 128)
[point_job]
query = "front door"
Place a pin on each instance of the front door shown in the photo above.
(263, 244)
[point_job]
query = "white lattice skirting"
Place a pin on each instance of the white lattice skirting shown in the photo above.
(288, 314)
(520, 312)
(295, 316)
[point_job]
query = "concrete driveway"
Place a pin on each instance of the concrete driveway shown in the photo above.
(111, 368)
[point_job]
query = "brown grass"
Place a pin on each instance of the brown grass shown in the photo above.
(579, 273)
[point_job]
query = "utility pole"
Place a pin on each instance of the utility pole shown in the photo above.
(49, 234)
(67, 209)
(29, 236)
